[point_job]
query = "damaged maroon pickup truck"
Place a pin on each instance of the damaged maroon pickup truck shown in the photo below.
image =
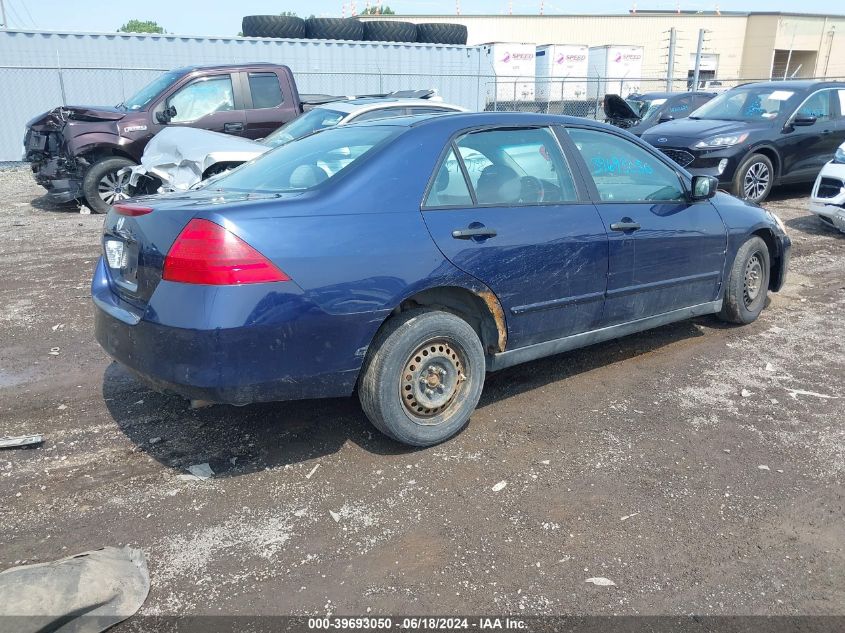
(80, 152)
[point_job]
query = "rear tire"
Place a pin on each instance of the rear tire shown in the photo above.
(747, 285)
(422, 377)
(103, 187)
(754, 178)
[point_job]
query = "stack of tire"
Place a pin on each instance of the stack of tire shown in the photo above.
(351, 29)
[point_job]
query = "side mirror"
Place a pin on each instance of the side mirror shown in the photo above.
(665, 118)
(166, 115)
(804, 120)
(704, 187)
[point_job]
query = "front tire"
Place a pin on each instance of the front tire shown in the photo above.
(747, 284)
(754, 178)
(423, 377)
(104, 187)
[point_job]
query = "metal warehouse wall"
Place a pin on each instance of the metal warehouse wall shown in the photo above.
(37, 67)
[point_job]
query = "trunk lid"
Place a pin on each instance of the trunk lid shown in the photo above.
(134, 248)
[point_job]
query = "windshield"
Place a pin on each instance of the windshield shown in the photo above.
(316, 119)
(149, 92)
(644, 108)
(747, 104)
(305, 163)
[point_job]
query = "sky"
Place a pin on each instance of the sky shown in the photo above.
(215, 17)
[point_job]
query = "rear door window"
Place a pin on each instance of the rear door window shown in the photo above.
(265, 90)
(449, 188)
(817, 106)
(517, 167)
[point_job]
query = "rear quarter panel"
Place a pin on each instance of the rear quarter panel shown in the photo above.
(360, 248)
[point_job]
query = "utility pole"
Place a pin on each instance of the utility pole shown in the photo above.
(789, 56)
(832, 34)
(670, 68)
(697, 70)
(3, 15)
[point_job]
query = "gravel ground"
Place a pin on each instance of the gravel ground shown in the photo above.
(699, 467)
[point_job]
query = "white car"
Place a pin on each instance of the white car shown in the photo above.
(180, 157)
(828, 198)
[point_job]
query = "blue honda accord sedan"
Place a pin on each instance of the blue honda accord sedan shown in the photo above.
(406, 258)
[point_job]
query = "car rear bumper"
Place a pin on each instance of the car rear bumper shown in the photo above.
(266, 359)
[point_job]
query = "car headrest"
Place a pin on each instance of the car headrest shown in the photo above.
(498, 183)
(442, 181)
(306, 176)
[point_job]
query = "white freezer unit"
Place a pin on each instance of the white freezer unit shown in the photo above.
(513, 70)
(561, 72)
(615, 70)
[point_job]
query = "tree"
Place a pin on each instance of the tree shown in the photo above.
(141, 26)
(289, 14)
(377, 10)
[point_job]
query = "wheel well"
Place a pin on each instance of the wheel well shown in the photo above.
(772, 155)
(774, 257)
(480, 309)
(100, 153)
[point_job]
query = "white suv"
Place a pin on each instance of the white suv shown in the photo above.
(828, 197)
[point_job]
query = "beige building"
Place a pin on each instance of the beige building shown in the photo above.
(736, 45)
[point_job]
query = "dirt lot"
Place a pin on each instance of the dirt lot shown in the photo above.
(699, 467)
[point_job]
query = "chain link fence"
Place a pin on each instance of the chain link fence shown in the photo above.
(33, 90)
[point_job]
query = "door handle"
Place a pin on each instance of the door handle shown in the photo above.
(625, 225)
(476, 231)
(233, 127)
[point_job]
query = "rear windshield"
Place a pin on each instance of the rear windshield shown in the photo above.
(149, 92)
(316, 119)
(305, 163)
(748, 104)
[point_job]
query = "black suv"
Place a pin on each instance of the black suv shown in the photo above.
(758, 135)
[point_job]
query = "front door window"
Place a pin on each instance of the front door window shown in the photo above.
(202, 97)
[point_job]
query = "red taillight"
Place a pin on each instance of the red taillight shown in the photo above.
(206, 253)
(132, 210)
